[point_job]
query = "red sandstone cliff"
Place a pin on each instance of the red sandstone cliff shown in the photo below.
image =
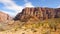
(4, 17)
(38, 13)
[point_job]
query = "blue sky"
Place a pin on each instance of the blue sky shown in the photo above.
(12, 7)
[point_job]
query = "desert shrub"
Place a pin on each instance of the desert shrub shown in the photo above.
(48, 32)
(1, 29)
(36, 25)
(53, 25)
(32, 29)
(23, 33)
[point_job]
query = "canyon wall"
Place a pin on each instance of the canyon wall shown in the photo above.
(39, 13)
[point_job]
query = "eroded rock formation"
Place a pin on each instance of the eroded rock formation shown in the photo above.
(4, 17)
(38, 13)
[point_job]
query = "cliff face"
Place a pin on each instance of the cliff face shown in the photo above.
(4, 17)
(38, 13)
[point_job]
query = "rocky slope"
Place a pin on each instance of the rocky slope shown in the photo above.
(50, 26)
(38, 13)
(4, 17)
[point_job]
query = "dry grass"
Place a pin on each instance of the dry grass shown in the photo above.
(49, 26)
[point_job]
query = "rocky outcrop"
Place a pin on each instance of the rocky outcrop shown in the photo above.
(4, 17)
(38, 13)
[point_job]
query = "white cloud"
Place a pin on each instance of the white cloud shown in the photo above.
(11, 5)
(28, 4)
(58, 6)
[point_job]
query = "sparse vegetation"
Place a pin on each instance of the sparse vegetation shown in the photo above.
(44, 27)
